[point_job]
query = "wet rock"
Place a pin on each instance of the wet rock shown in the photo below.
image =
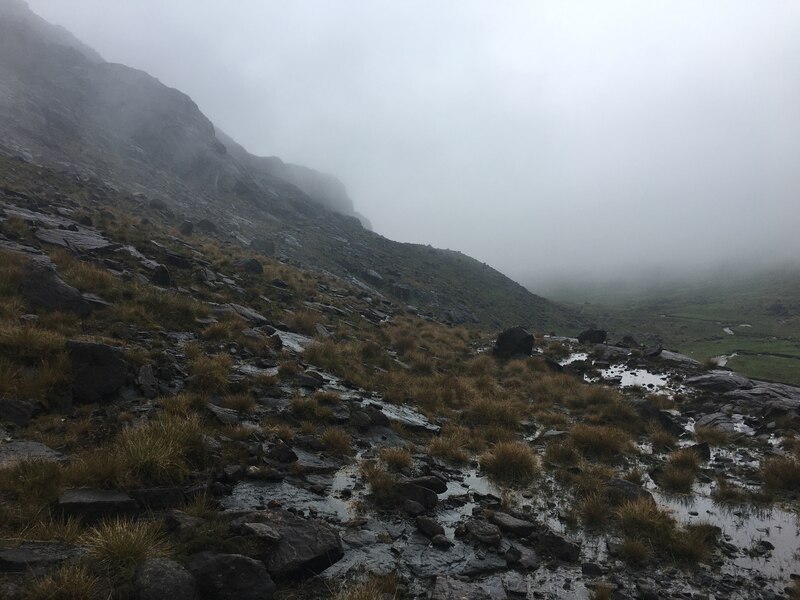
(429, 526)
(18, 412)
(250, 265)
(592, 336)
(18, 450)
(260, 531)
(703, 450)
(424, 496)
(161, 579)
(413, 508)
(511, 524)
(440, 541)
(98, 370)
(226, 416)
(161, 276)
(484, 531)
(592, 569)
(181, 524)
(91, 505)
(42, 288)
(147, 381)
(430, 482)
(720, 381)
(282, 452)
(230, 577)
(717, 420)
(305, 547)
(186, 228)
(447, 588)
(372, 277)
(621, 490)
(512, 342)
(515, 585)
(82, 240)
(36, 555)
(560, 547)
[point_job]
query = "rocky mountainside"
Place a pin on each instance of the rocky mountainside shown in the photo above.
(61, 105)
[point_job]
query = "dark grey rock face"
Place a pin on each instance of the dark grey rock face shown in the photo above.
(36, 555)
(560, 547)
(447, 588)
(514, 341)
(18, 412)
(163, 579)
(230, 577)
(44, 289)
(720, 381)
(250, 265)
(98, 370)
(26, 450)
(513, 525)
(92, 505)
(161, 276)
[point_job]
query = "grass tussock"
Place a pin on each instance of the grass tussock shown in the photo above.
(512, 462)
(454, 443)
(600, 441)
(484, 412)
(396, 459)
(643, 520)
(310, 409)
(118, 546)
(243, 403)
(712, 435)
(68, 582)
(660, 439)
(210, 373)
(382, 484)
(337, 441)
(781, 473)
(384, 587)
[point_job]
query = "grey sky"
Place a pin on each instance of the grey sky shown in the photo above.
(541, 137)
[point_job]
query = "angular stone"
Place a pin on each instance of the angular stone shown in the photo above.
(18, 412)
(98, 370)
(163, 579)
(430, 482)
(230, 577)
(26, 450)
(484, 531)
(44, 289)
(417, 493)
(560, 547)
(592, 336)
(512, 342)
(720, 381)
(161, 276)
(429, 526)
(512, 525)
(250, 265)
(91, 505)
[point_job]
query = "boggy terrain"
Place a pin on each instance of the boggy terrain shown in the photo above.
(182, 417)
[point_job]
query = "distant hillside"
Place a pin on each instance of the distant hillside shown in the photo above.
(62, 106)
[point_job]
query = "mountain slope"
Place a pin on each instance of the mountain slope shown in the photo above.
(61, 105)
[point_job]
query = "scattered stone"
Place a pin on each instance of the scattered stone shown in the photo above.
(430, 482)
(162, 579)
(484, 531)
(98, 370)
(186, 228)
(91, 505)
(440, 541)
(424, 496)
(161, 276)
(413, 508)
(230, 577)
(429, 526)
(206, 226)
(560, 547)
(512, 525)
(512, 342)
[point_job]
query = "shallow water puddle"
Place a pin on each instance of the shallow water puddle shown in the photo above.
(745, 527)
(630, 377)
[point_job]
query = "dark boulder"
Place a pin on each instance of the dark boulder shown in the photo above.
(206, 226)
(161, 276)
(431, 482)
(429, 526)
(592, 336)
(513, 342)
(162, 579)
(560, 547)
(98, 370)
(43, 288)
(18, 412)
(424, 496)
(230, 577)
(186, 228)
(29, 556)
(720, 381)
(511, 524)
(250, 265)
(483, 531)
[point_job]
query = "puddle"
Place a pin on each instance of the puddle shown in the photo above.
(402, 414)
(629, 377)
(743, 527)
(294, 342)
(574, 357)
(728, 330)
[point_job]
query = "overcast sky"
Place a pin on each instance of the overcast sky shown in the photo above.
(541, 137)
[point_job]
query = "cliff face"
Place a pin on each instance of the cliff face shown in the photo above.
(63, 106)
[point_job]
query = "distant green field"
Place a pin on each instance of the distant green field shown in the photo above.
(762, 312)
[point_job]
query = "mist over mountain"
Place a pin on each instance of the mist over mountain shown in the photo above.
(594, 137)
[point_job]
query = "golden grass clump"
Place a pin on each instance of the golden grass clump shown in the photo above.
(68, 582)
(243, 403)
(512, 462)
(600, 441)
(310, 409)
(382, 484)
(712, 435)
(209, 373)
(485, 411)
(337, 441)
(781, 473)
(396, 459)
(119, 545)
(642, 519)
(453, 444)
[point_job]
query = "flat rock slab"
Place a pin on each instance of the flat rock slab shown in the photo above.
(305, 547)
(44, 289)
(447, 588)
(82, 240)
(92, 505)
(230, 577)
(25, 450)
(36, 555)
(513, 525)
(720, 381)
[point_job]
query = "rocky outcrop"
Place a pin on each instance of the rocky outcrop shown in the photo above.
(230, 577)
(44, 289)
(98, 370)
(162, 578)
(93, 505)
(720, 381)
(592, 336)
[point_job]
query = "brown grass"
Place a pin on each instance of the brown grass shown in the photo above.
(243, 403)
(600, 441)
(396, 459)
(209, 373)
(118, 546)
(781, 473)
(68, 582)
(337, 441)
(512, 462)
(712, 435)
